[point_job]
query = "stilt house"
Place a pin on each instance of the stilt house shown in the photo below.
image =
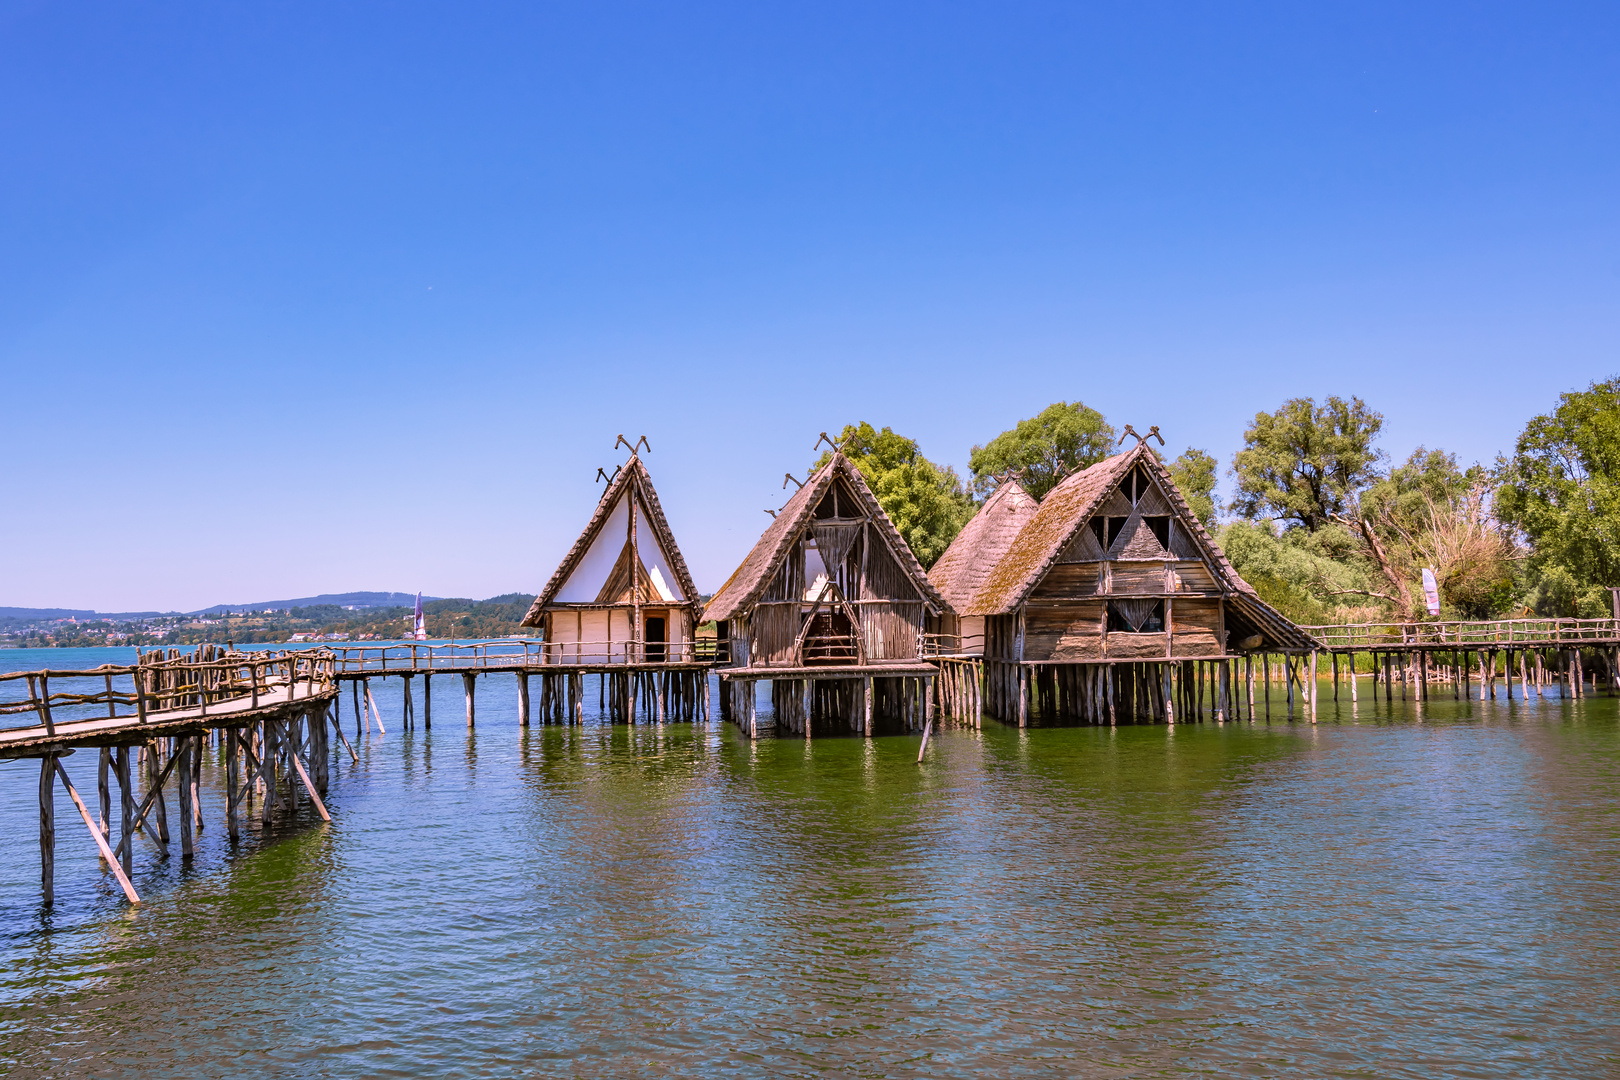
(623, 594)
(832, 608)
(962, 570)
(1111, 602)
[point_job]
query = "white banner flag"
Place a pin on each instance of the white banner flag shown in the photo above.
(1431, 591)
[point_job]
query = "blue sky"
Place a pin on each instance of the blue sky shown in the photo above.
(305, 298)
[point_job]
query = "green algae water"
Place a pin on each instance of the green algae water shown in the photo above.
(1393, 893)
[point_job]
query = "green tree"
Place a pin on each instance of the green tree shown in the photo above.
(1428, 512)
(1561, 488)
(1305, 464)
(1194, 474)
(1065, 436)
(927, 502)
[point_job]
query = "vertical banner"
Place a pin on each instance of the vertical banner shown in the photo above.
(1431, 591)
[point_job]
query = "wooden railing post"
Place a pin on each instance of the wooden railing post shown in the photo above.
(42, 702)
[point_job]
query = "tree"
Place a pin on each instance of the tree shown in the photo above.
(1305, 464)
(1065, 436)
(928, 503)
(1561, 488)
(1194, 474)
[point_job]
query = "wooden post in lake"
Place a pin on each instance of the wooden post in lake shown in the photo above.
(47, 827)
(468, 682)
(183, 782)
(233, 783)
(126, 791)
(523, 697)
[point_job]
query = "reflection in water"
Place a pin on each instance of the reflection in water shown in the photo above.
(1368, 895)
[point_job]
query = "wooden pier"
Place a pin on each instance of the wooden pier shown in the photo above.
(269, 709)
(656, 682)
(1417, 657)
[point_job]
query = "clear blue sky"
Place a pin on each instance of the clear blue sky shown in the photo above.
(304, 298)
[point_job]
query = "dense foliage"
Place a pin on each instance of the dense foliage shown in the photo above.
(1305, 463)
(1561, 488)
(1194, 474)
(1043, 449)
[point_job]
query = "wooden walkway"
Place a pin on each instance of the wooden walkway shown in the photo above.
(269, 710)
(1467, 636)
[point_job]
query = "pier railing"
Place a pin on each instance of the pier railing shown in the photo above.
(157, 684)
(408, 658)
(1484, 634)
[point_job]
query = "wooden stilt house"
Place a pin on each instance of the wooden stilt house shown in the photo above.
(975, 551)
(622, 603)
(832, 608)
(1113, 602)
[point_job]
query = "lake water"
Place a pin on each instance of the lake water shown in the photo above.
(1374, 895)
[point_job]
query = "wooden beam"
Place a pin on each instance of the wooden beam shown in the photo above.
(95, 833)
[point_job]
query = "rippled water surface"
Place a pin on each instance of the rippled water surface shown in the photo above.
(1374, 895)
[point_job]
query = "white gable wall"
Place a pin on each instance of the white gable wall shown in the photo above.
(655, 559)
(584, 585)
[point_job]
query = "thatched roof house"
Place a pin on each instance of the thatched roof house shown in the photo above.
(623, 593)
(830, 594)
(961, 572)
(1111, 566)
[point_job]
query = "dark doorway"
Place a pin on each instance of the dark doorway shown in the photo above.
(655, 639)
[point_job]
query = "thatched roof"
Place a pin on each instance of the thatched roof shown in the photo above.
(747, 583)
(962, 570)
(1067, 508)
(634, 476)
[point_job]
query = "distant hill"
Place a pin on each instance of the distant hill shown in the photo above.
(359, 600)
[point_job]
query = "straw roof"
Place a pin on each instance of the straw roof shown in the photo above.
(1071, 504)
(747, 583)
(633, 473)
(962, 570)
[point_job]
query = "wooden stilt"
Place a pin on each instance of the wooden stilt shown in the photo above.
(104, 793)
(267, 771)
(523, 697)
(156, 776)
(126, 794)
(375, 712)
(183, 783)
(1312, 696)
(47, 827)
(468, 682)
(233, 824)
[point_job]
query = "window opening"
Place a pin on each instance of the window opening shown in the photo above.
(1160, 524)
(1136, 616)
(1107, 529)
